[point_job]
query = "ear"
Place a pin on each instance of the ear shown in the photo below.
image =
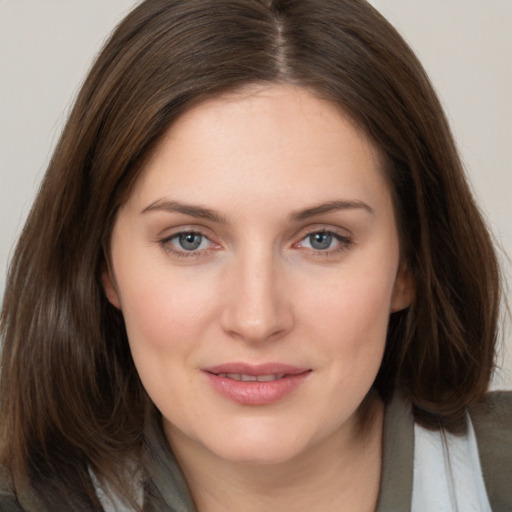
(403, 291)
(110, 288)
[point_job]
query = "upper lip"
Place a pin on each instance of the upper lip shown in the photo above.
(256, 369)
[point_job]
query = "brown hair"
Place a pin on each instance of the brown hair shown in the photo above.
(71, 397)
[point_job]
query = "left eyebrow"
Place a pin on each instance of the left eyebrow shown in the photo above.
(329, 207)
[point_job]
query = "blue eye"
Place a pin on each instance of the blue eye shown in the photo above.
(186, 242)
(189, 241)
(320, 241)
(325, 241)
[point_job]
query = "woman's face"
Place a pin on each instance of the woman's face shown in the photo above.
(256, 264)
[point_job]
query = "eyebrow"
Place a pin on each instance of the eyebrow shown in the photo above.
(191, 210)
(329, 207)
(200, 212)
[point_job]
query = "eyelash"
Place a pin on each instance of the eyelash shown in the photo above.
(344, 243)
(166, 244)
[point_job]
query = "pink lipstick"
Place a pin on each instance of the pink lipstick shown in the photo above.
(255, 384)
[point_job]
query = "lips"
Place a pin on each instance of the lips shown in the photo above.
(255, 384)
(252, 378)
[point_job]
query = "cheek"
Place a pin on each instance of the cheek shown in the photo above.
(349, 325)
(162, 309)
(354, 305)
(164, 319)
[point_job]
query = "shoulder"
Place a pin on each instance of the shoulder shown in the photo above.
(9, 504)
(496, 408)
(8, 501)
(492, 422)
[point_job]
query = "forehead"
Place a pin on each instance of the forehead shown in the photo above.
(260, 133)
(258, 106)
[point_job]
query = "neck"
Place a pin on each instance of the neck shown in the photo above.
(342, 472)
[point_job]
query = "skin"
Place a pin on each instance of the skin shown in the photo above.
(258, 289)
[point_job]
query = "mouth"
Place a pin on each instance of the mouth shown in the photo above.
(242, 377)
(256, 384)
(233, 370)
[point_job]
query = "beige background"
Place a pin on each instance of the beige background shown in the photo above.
(46, 47)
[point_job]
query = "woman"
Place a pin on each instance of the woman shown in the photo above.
(254, 278)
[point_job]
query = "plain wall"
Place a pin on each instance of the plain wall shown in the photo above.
(46, 47)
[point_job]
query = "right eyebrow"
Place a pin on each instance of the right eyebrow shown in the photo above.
(191, 210)
(331, 206)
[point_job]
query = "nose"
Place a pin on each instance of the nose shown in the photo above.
(256, 306)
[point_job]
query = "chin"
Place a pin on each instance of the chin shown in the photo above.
(256, 454)
(255, 445)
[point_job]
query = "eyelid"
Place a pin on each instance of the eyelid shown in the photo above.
(322, 228)
(343, 236)
(165, 241)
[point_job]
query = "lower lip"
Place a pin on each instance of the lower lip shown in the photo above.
(256, 393)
